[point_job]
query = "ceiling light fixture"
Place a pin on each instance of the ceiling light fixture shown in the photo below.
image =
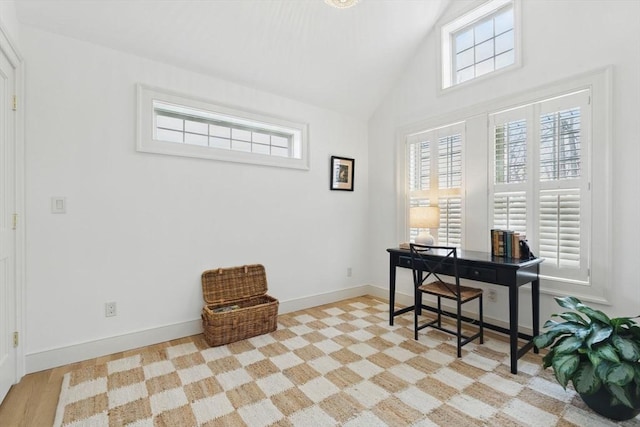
(341, 4)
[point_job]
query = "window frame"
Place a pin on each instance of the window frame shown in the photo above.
(147, 143)
(468, 18)
(477, 147)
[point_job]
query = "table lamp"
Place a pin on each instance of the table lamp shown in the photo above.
(424, 218)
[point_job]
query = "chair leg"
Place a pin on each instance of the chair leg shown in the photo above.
(459, 322)
(481, 321)
(416, 306)
(439, 312)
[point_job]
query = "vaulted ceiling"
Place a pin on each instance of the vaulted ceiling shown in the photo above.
(341, 59)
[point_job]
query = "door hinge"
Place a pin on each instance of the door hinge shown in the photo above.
(15, 102)
(15, 339)
(15, 221)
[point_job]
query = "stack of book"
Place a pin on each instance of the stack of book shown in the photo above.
(506, 243)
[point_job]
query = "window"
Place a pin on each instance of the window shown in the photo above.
(434, 178)
(479, 42)
(536, 162)
(540, 180)
(176, 125)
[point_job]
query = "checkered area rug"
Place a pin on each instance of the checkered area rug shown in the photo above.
(338, 364)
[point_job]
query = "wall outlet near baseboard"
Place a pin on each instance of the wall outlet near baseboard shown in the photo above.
(109, 309)
(493, 295)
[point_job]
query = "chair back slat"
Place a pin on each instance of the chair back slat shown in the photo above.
(445, 263)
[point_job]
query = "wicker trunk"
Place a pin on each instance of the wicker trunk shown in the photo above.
(237, 305)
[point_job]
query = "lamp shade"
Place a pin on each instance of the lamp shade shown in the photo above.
(424, 217)
(341, 4)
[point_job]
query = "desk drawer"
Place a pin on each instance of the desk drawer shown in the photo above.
(480, 274)
(405, 261)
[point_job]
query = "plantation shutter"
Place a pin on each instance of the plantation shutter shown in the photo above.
(560, 228)
(510, 169)
(539, 183)
(510, 212)
(563, 187)
(434, 178)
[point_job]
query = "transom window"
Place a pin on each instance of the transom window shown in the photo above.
(479, 42)
(188, 126)
(177, 125)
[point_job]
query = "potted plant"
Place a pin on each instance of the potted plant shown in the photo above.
(599, 355)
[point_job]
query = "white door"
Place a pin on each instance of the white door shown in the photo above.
(8, 367)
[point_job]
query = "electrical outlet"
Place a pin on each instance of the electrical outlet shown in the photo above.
(109, 309)
(349, 272)
(493, 295)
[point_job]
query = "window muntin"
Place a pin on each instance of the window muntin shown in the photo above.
(177, 125)
(434, 178)
(479, 42)
(485, 46)
(196, 127)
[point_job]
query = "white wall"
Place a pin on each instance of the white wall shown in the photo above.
(9, 20)
(141, 228)
(561, 39)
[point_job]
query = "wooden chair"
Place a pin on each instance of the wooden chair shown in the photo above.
(423, 260)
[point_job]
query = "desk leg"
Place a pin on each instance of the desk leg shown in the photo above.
(513, 327)
(392, 290)
(535, 306)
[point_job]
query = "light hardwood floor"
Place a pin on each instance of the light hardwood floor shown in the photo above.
(33, 401)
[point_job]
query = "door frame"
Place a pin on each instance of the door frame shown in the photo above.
(9, 49)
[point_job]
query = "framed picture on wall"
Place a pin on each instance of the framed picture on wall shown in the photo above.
(342, 173)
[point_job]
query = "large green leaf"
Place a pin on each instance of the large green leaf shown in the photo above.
(636, 368)
(620, 374)
(621, 393)
(635, 331)
(568, 345)
(602, 369)
(564, 365)
(594, 314)
(594, 358)
(547, 359)
(585, 379)
(571, 316)
(544, 340)
(598, 333)
(572, 328)
(608, 352)
(628, 349)
(568, 302)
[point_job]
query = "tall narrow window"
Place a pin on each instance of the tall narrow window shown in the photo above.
(540, 185)
(434, 178)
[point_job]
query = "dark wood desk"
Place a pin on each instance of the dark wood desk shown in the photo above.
(483, 267)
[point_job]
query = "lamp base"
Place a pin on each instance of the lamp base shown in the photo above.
(425, 238)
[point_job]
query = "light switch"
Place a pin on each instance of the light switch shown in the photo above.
(58, 205)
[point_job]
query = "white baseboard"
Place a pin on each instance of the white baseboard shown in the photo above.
(324, 298)
(48, 359)
(40, 361)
